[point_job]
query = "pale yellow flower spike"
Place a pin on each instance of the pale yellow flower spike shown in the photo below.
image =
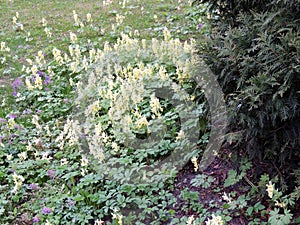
(194, 161)
(270, 189)
(73, 38)
(180, 135)
(15, 20)
(215, 220)
(190, 221)
(44, 22)
(89, 17)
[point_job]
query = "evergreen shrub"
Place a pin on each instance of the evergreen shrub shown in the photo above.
(254, 50)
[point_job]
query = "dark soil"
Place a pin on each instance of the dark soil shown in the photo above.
(219, 170)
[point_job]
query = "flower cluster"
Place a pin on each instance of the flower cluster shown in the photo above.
(190, 220)
(16, 23)
(3, 47)
(107, 2)
(194, 161)
(48, 32)
(180, 136)
(119, 19)
(18, 180)
(270, 189)
(215, 220)
(155, 105)
(77, 21)
(44, 22)
(70, 133)
(89, 18)
(226, 197)
(117, 216)
(73, 38)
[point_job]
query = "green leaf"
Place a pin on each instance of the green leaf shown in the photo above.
(250, 210)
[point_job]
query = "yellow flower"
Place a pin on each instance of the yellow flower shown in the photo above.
(167, 34)
(47, 223)
(11, 122)
(56, 53)
(89, 17)
(115, 146)
(48, 32)
(75, 18)
(93, 108)
(36, 155)
(92, 53)
(99, 222)
(77, 51)
(29, 146)
(44, 22)
(73, 67)
(180, 135)
(216, 220)
(22, 156)
(63, 161)
(84, 161)
(155, 105)
(73, 38)
(142, 121)
(3, 47)
(9, 157)
(119, 19)
(41, 55)
(83, 172)
(117, 216)
(194, 161)
(15, 20)
(85, 63)
(29, 61)
(18, 180)
(38, 82)
(71, 50)
(270, 189)
(190, 220)
(17, 14)
(280, 204)
(34, 69)
(226, 198)
(28, 84)
(46, 157)
(35, 121)
(57, 56)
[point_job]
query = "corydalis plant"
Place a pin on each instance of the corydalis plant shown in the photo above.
(117, 105)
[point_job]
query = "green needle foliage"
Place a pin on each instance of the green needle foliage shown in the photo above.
(254, 51)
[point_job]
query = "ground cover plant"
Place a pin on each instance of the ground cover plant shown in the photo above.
(78, 88)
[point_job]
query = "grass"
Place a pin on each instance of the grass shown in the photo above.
(59, 16)
(60, 19)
